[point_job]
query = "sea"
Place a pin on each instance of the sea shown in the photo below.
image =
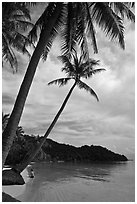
(77, 182)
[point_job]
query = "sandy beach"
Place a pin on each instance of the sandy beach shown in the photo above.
(17, 190)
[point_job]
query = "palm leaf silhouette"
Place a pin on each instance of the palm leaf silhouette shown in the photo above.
(60, 82)
(102, 13)
(82, 85)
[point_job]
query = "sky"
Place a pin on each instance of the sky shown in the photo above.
(84, 121)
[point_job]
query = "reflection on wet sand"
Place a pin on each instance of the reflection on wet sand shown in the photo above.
(80, 182)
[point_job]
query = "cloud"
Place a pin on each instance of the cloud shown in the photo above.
(109, 122)
(7, 99)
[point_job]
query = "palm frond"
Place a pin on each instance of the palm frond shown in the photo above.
(30, 3)
(89, 72)
(74, 32)
(60, 82)
(110, 23)
(82, 85)
(81, 36)
(123, 9)
(23, 9)
(24, 25)
(91, 29)
(49, 44)
(8, 54)
(98, 70)
(76, 61)
(18, 41)
(69, 30)
(130, 4)
(33, 34)
(68, 67)
(42, 23)
(56, 29)
(15, 20)
(89, 64)
(84, 47)
(9, 9)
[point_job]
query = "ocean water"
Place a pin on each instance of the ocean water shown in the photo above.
(65, 182)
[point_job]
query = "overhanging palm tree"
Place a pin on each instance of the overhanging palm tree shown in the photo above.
(75, 69)
(15, 21)
(49, 26)
(76, 19)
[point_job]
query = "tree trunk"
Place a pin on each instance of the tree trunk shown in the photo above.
(10, 130)
(24, 164)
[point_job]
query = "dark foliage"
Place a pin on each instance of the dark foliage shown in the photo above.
(84, 153)
(20, 149)
(54, 151)
(16, 21)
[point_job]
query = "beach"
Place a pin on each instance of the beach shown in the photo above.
(16, 190)
(60, 182)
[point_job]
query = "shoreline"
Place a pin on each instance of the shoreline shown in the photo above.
(17, 190)
(79, 183)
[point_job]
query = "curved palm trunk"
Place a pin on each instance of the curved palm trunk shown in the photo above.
(24, 164)
(10, 131)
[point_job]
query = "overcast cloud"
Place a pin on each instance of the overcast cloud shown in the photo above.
(109, 123)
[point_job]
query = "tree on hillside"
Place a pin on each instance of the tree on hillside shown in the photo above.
(17, 150)
(76, 19)
(75, 69)
(19, 132)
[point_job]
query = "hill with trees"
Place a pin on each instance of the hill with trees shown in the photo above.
(65, 152)
(54, 151)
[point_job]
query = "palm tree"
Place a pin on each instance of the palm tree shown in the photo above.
(11, 127)
(76, 19)
(75, 69)
(15, 21)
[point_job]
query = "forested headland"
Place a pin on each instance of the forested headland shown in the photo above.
(54, 151)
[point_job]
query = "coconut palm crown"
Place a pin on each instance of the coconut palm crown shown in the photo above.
(15, 21)
(78, 68)
(76, 24)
